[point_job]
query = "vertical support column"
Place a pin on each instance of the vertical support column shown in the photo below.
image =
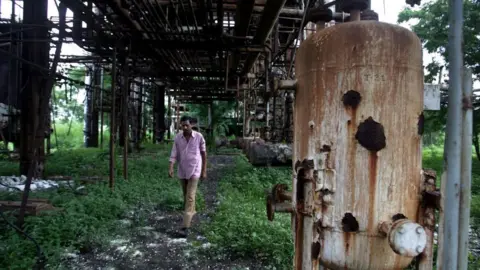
(125, 96)
(169, 128)
(155, 114)
(453, 139)
(112, 121)
(87, 107)
(288, 128)
(161, 114)
(102, 114)
(97, 83)
(245, 116)
(210, 128)
(139, 115)
(34, 13)
(466, 171)
(267, 134)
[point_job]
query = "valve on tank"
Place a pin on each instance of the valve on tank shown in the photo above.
(405, 237)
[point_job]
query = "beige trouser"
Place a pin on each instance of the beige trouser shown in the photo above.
(189, 188)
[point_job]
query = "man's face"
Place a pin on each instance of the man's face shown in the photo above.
(186, 127)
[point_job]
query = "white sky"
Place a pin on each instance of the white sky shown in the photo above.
(388, 15)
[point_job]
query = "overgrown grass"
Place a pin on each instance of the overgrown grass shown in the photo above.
(89, 220)
(240, 225)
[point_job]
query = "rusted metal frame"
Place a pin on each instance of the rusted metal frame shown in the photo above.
(160, 113)
(13, 71)
(126, 143)
(466, 171)
(160, 24)
(139, 115)
(449, 257)
(226, 71)
(427, 218)
(112, 122)
(181, 30)
(190, 5)
(91, 118)
(245, 116)
(126, 19)
(169, 117)
(220, 14)
(165, 73)
(209, 5)
(243, 14)
(268, 96)
(102, 114)
(165, 17)
(154, 94)
(43, 97)
(265, 26)
(300, 32)
(100, 24)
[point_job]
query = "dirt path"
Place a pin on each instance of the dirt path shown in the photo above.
(155, 246)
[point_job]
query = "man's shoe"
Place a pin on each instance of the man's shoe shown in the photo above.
(184, 232)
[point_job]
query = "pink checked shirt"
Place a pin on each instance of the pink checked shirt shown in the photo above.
(187, 155)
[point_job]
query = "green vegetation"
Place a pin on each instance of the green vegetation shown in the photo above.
(91, 220)
(241, 226)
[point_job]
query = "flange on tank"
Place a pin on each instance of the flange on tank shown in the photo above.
(357, 185)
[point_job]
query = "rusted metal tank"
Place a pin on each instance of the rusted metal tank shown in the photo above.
(357, 148)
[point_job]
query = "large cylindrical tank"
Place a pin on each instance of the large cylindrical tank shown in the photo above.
(358, 123)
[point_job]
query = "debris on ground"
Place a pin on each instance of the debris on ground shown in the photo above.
(17, 183)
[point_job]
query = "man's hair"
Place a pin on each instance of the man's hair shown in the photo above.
(185, 118)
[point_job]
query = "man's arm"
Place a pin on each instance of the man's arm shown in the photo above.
(203, 153)
(173, 158)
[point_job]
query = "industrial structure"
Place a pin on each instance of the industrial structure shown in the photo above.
(353, 194)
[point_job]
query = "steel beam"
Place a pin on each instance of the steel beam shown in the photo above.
(158, 74)
(267, 22)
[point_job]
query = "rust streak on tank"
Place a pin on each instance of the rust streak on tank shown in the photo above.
(346, 237)
(299, 241)
(372, 190)
(352, 149)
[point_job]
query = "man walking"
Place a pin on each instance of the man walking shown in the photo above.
(189, 151)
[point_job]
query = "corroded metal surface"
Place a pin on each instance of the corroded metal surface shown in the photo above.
(357, 107)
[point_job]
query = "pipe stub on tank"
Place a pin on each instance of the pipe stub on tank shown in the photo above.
(349, 5)
(407, 238)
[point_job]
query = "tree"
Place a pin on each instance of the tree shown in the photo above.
(220, 111)
(66, 106)
(432, 29)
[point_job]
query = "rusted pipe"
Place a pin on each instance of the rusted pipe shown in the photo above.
(272, 207)
(307, 216)
(355, 15)
(126, 86)
(112, 121)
